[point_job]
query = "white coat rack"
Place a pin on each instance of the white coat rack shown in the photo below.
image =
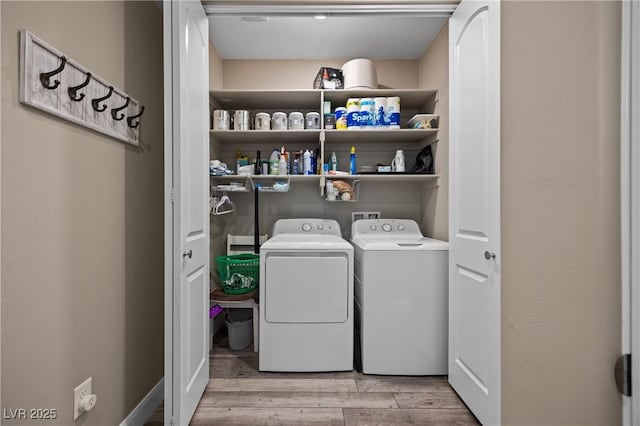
(54, 83)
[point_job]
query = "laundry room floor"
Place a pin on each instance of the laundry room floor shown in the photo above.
(240, 395)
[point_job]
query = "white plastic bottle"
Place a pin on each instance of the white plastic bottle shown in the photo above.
(334, 161)
(273, 162)
(282, 165)
(307, 162)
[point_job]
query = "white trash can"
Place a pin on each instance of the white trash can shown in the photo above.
(240, 328)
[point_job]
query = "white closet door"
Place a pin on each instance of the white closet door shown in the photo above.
(186, 48)
(474, 223)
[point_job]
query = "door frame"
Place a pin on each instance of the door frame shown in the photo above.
(422, 9)
(630, 203)
(169, 241)
(411, 9)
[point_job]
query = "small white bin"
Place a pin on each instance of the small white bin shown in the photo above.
(240, 328)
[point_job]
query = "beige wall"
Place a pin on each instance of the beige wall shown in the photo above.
(560, 212)
(82, 284)
(216, 75)
(278, 75)
(433, 73)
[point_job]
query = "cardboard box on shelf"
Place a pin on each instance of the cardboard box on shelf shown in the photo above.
(328, 78)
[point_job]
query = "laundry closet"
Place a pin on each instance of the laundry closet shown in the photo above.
(271, 85)
(258, 70)
(250, 71)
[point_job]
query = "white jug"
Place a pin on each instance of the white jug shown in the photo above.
(397, 165)
(279, 121)
(296, 121)
(262, 121)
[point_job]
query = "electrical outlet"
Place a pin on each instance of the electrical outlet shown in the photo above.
(81, 391)
(364, 215)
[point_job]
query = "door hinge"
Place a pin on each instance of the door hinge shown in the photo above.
(171, 422)
(173, 195)
(622, 373)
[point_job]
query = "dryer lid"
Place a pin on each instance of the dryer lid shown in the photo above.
(306, 242)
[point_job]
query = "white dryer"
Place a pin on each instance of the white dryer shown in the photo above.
(401, 294)
(306, 298)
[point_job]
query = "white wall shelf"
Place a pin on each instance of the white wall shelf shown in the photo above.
(378, 144)
(380, 135)
(413, 99)
(332, 136)
(392, 178)
(381, 177)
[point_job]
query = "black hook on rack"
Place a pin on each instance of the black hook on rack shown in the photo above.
(114, 111)
(74, 89)
(45, 77)
(96, 102)
(133, 117)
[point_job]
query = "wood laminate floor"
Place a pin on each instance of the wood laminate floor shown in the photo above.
(240, 395)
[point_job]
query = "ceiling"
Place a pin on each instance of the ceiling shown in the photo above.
(373, 36)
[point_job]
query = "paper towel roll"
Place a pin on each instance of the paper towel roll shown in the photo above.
(360, 73)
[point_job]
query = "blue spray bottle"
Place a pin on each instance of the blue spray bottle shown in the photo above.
(352, 161)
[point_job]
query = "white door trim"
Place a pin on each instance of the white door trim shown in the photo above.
(415, 9)
(168, 214)
(145, 408)
(630, 202)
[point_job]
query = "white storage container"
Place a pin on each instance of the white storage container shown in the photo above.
(240, 328)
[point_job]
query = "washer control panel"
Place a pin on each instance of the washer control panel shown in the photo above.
(385, 228)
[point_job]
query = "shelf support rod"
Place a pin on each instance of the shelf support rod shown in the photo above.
(256, 222)
(322, 182)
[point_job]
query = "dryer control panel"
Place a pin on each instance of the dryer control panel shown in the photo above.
(385, 227)
(307, 226)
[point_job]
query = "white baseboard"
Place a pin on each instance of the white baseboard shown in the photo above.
(146, 407)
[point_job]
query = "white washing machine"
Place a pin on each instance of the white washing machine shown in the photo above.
(401, 294)
(306, 298)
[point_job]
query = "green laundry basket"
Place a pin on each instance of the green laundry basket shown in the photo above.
(239, 273)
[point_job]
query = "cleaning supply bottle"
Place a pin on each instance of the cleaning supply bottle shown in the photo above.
(257, 169)
(282, 164)
(273, 162)
(307, 163)
(295, 167)
(352, 161)
(334, 162)
(318, 168)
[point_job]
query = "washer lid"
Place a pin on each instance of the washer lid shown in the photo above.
(306, 242)
(411, 244)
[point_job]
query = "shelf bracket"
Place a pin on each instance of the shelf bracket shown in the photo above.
(322, 179)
